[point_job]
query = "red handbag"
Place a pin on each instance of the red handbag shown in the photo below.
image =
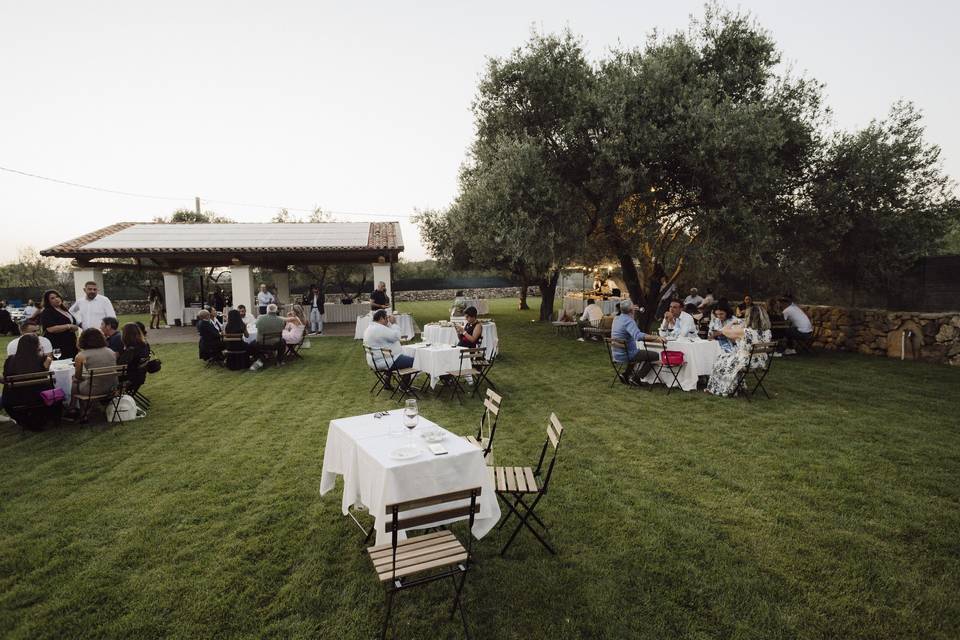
(51, 397)
(671, 358)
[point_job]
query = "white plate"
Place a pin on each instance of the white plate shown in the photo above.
(405, 453)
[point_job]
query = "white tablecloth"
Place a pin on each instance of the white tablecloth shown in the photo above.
(435, 360)
(343, 312)
(251, 334)
(437, 334)
(574, 305)
(699, 357)
(408, 327)
(63, 377)
(358, 448)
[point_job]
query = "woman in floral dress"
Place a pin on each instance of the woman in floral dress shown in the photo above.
(728, 366)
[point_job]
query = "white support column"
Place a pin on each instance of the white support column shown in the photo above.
(243, 291)
(173, 296)
(83, 275)
(381, 273)
(281, 280)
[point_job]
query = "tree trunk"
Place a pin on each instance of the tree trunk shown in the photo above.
(548, 292)
(523, 295)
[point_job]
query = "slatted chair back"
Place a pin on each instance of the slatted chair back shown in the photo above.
(488, 421)
(233, 344)
(554, 434)
(379, 372)
(89, 377)
(443, 508)
(269, 345)
(26, 380)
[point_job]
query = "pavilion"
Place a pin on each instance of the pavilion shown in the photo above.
(238, 246)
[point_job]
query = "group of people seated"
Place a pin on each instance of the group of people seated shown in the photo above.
(105, 346)
(271, 335)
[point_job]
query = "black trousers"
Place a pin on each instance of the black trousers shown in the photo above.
(643, 358)
(794, 336)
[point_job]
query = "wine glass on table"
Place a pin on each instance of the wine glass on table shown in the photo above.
(56, 354)
(411, 415)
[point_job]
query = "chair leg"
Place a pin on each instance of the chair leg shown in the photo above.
(458, 603)
(386, 619)
(523, 523)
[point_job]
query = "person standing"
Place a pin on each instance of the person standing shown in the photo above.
(59, 325)
(379, 298)
(93, 308)
(314, 302)
(264, 299)
(156, 307)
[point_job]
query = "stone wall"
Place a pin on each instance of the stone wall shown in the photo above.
(931, 337)
(128, 307)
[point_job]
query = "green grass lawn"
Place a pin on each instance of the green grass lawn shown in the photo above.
(831, 511)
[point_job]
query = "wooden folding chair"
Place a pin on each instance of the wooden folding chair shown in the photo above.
(758, 365)
(42, 379)
(89, 377)
(402, 389)
(488, 423)
(468, 357)
(429, 557)
(293, 350)
(513, 484)
(484, 364)
(234, 345)
(618, 367)
(382, 376)
(267, 352)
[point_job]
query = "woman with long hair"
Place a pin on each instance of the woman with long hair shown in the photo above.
(94, 353)
(28, 359)
(237, 327)
(135, 353)
(296, 325)
(156, 307)
(59, 325)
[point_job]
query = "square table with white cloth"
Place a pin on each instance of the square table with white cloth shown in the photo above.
(699, 356)
(358, 448)
(63, 371)
(406, 324)
(436, 360)
(437, 333)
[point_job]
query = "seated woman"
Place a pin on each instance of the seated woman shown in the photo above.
(722, 317)
(237, 327)
(728, 366)
(135, 353)
(24, 404)
(94, 353)
(211, 347)
(296, 324)
(471, 333)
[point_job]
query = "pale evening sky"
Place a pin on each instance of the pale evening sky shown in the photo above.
(360, 107)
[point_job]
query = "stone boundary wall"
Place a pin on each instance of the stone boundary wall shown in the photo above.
(931, 337)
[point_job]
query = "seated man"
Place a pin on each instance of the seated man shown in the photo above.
(799, 327)
(677, 323)
(247, 318)
(694, 298)
(382, 333)
(591, 316)
(30, 327)
(110, 328)
(211, 347)
(270, 332)
(626, 329)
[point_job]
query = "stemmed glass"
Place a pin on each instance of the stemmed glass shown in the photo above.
(56, 354)
(411, 415)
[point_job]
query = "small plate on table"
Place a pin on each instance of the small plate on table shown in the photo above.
(434, 436)
(406, 453)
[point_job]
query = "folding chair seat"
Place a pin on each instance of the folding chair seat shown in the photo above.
(488, 423)
(484, 365)
(429, 557)
(89, 378)
(293, 350)
(758, 365)
(401, 389)
(515, 485)
(235, 351)
(467, 359)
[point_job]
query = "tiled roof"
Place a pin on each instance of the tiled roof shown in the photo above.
(156, 238)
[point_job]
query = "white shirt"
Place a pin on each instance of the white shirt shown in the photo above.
(264, 298)
(378, 336)
(91, 313)
(593, 313)
(28, 312)
(694, 300)
(683, 327)
(248, 319)
(44, 345)
(798, 319)
(707, 300)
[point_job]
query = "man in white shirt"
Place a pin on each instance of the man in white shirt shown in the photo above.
(247, 318)
(92, 309)
(694, 298)
(264, 298)
(799, 327)
(591, 317)
(708, 301)
(677, 323)
(30, 327)
(382, 333)
(30, 310)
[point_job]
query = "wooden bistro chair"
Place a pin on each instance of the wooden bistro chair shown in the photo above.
(488, 424)
(88, 378)
(471, 361)
(273, 352)
(42, 379)
(484, 364)
(233, 345)
(401, 389)
(514, 485)
(618, 367)
(382, 376)
(293, 350)
(758, 365)
(428, 557)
